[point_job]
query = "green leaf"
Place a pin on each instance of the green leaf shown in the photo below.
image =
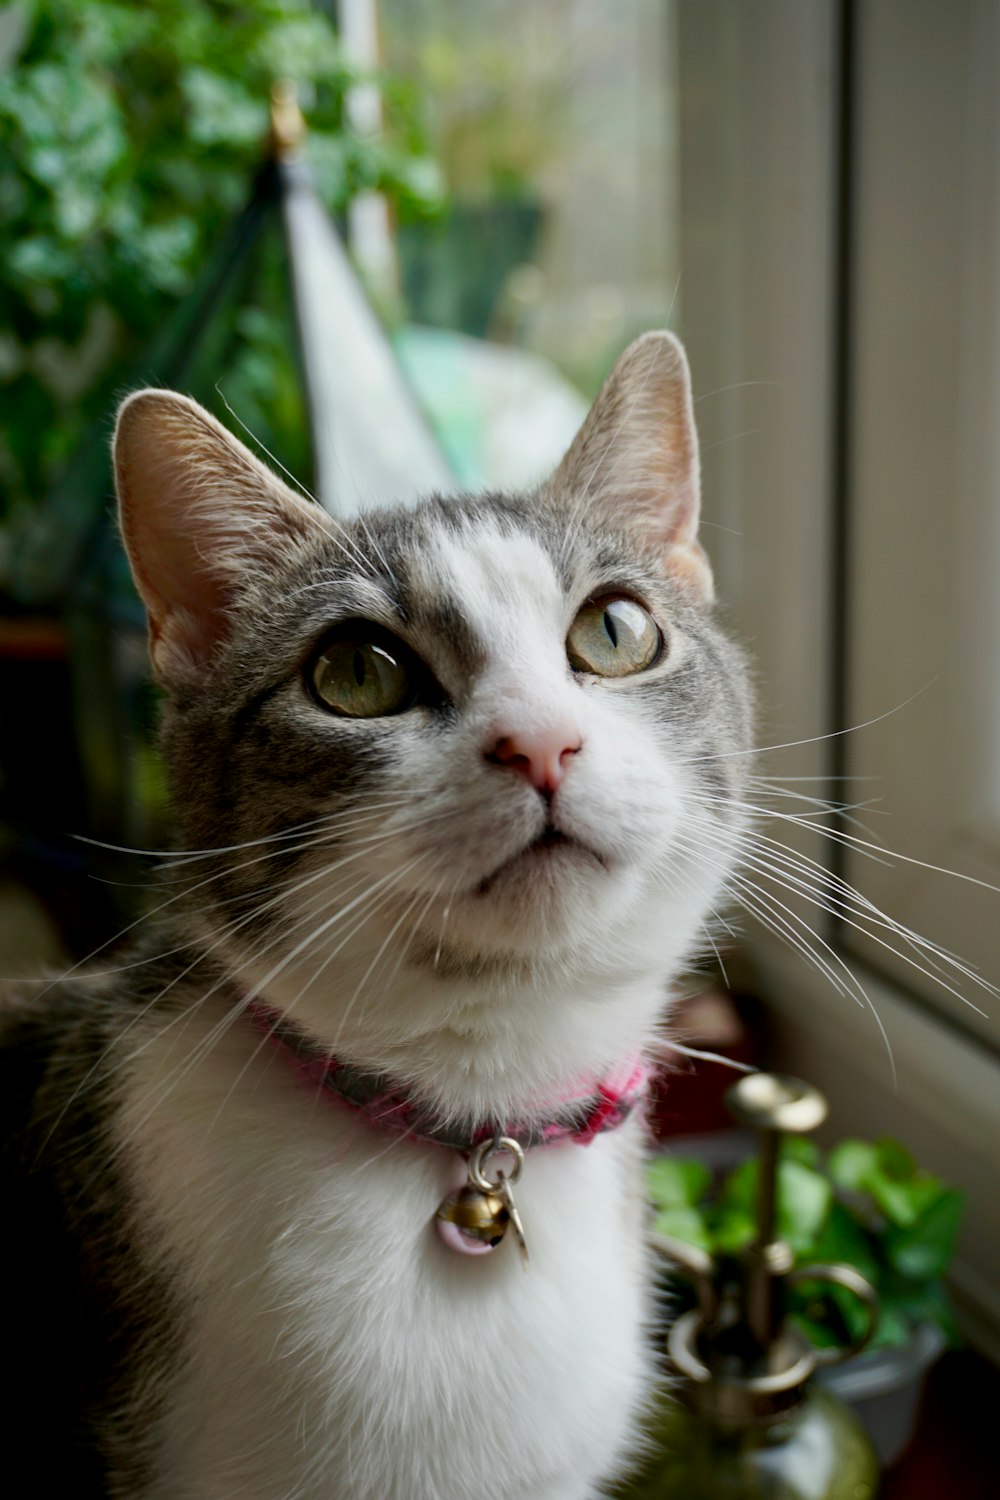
(843, 1239)
(894, 1199)
(831, 1308)
(77, 207)
(816, 1328)
(844, 1310)
(167, 251)
(40, 258)
(732, 1229)
(15, 20)
(739, 1189)
(804, 1200)
(930, 1304)
(851, 1164)
(674, 1181)
(893, 1159)
(887, 1172)
(801, 1149)
(328, 156)
(222, 110)
(684, 1224)
(302, 47)
(420, 181)
(893, 1327)
(923, 1248)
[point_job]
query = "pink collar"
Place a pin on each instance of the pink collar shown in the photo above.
(599, 1105)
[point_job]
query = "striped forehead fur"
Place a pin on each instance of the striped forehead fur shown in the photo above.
(411, 571)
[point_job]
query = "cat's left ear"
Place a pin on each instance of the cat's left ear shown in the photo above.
(636, 456)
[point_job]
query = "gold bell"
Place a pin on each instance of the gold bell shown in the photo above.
(477, 1216)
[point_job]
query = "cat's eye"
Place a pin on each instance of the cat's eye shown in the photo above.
(613, 637)
(363, 672)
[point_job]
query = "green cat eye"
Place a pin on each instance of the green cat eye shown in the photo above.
(613, 637)
(364, 674)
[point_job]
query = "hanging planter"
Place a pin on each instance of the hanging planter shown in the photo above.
(278, 271)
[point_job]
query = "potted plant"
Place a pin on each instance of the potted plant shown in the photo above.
(864, 1203)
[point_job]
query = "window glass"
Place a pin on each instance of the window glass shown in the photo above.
(556, 129)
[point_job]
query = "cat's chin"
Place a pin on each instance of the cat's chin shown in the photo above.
(555, 896)
(550, 859)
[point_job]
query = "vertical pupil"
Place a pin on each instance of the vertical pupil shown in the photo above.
(359, 669)
(609, 626)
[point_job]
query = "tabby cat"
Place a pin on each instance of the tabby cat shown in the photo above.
(457, 788)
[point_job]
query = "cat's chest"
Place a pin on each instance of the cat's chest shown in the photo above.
(333, 1344)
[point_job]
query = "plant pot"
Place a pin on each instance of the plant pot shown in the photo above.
(884, 1387)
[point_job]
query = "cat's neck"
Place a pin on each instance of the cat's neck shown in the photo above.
(494, 1046)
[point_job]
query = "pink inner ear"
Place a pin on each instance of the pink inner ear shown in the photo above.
(687, 564)
(199, 514)
(184, 641)
(636, 456)
(168, 536)
(182, 593)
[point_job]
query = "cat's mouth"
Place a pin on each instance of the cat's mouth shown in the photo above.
(549, 838)
(545, 847)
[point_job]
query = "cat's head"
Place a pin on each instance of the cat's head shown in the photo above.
(483, 736)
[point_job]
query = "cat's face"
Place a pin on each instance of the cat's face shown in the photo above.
(487, 731)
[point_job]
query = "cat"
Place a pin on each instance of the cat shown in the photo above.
(457, 788)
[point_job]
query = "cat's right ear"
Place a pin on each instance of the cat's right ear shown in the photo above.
(200, 516)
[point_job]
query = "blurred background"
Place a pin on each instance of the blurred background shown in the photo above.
(491, 199)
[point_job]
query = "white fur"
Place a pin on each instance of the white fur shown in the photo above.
(336, 1346)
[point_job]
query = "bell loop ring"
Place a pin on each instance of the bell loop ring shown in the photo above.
(495, 1146)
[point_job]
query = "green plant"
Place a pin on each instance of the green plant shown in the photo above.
(129, 133)
(494, 75)
(866, 1203)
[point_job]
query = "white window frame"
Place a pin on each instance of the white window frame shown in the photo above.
(765, 119)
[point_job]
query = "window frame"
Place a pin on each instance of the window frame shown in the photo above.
(766, 152)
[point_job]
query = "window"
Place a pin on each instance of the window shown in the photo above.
(556, 130)
(923, 616)
(841, 290)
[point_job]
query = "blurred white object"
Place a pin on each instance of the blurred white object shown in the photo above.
(505, 417)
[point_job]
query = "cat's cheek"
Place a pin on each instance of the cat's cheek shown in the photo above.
(628, 802)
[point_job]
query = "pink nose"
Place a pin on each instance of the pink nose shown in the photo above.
(541, 755)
